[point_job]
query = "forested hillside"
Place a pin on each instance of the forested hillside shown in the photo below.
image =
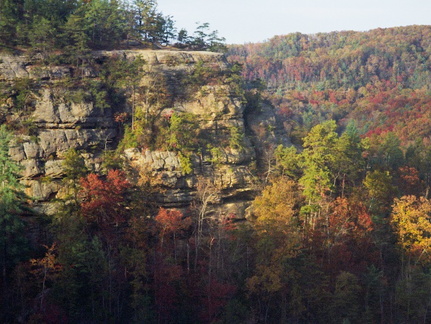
(379, 79)
(162, 186)
(357, 107)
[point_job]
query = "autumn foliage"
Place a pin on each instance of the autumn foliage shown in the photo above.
(367, 77)
(335, 229)
(411, 219)
(102, 199)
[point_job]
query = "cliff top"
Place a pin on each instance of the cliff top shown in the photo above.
(168, 56)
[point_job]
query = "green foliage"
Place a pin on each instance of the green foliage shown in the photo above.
(384, 152)
(74, 165)
(151, 25)
(105, 21)
(42, 36)
(74, 168)
(13, 243)
(235, 312)
(129, 139)
(413, 296)
(74, 30)
(21, 93)
(204, 39)
(286, 161)
(329, 162)
(202, 74)
(317, 159)
(120, 72)
(308, 252)
(80, 26)
(179, 132)
(74, 252)
(91, 91)
(217, 155)
(118, 77)
(380, 190)
(11, 12)
(96, 24)
(236, 139)
(112, 160)
(186, 163)
(183, 132)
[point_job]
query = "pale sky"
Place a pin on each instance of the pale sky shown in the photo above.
(258, 20)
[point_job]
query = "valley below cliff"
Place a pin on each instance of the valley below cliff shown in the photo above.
(282, 182)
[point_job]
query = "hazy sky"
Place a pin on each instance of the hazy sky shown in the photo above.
(257, 20)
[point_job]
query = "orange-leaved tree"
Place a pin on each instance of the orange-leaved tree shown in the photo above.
(345, 237)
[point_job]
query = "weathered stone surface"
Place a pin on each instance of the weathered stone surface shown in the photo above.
(45, 111)
(54, 168)
(55, 113)
(31, 168)
(220, 111)
(232, 176)
(175, 198)
(163, 168)
(24, 148)
(62, 124)
(240, 156)
(41, 190)
(18, 67)
(16, 152)
(13, 67)
(59, 72)
(55, 142)
(168, 58)
(47, 208)
(215, 102)
(31, 149)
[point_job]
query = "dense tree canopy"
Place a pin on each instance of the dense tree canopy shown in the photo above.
(338, 227)
(379, 79)
(78, 26)
(357, 107)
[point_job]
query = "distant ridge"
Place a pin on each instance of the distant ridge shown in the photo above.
(375, 77)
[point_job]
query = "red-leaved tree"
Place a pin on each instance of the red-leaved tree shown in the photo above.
(103, 199)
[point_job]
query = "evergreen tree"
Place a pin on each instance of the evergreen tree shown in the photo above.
(12, 240)
(317, 160)
(10, 14)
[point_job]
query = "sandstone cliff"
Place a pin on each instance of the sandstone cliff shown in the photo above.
(53, 122)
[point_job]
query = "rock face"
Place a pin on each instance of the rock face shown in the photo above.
(60, 123)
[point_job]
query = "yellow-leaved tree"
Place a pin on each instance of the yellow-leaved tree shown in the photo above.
(278, 242)
(411, 220)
